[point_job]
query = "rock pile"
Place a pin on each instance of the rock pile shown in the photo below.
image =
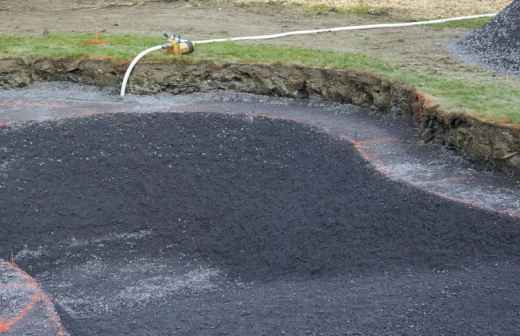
(496, 45)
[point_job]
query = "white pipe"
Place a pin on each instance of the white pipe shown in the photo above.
(133, 64)
(304, 32)
(348, 28)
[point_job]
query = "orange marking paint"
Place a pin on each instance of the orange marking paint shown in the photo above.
(378, 141)
(378, 164)
(97, 41)
(37, 297)
(31, 104)
(5, 326)
(360, 146)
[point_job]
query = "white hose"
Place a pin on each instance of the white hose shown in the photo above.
(305, 32)
(133, 64)
(348, 28)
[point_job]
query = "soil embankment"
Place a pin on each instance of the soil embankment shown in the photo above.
(497, 145)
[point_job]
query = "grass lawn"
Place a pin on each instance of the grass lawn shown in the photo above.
(492, 99)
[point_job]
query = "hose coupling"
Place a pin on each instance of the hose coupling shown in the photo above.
(176, 45)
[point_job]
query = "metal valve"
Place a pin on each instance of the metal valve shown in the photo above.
(176, 45)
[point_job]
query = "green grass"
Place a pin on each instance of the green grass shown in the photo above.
(464, 24)
(263, 53)
(491, 99)
(121, 47)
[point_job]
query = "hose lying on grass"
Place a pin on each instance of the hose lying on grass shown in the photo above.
(176, 39)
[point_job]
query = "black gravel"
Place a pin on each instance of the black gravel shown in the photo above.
(263, 197)
(497, 45)
(262, 200)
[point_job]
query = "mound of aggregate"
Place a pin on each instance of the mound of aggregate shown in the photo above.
(259, 198)
(496, 45)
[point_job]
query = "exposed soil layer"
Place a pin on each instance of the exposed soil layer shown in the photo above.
(497, 45)
(497, 145)
(278, 228)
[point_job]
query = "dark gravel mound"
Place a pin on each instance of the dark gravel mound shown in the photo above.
(497, 45)
(258, 198)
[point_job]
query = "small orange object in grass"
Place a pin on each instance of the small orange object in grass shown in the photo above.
(96, 41)
(4, 327)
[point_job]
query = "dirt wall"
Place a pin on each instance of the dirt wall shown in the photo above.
(496, 145)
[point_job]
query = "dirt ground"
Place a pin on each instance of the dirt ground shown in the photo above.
(412, 8)
(198, 20)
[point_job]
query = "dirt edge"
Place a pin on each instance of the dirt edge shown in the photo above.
(493, 144)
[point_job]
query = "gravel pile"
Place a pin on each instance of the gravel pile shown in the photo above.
(257, 198)
(497, 45)
(208, 224)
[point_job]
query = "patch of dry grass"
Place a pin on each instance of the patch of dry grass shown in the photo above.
(416, 9)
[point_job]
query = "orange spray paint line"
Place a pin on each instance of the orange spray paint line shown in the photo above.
(37, 297)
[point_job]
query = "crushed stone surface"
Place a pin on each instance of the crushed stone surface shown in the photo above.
(211, 224)
(497, 45)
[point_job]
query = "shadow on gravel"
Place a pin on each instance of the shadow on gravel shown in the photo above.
(257, 198)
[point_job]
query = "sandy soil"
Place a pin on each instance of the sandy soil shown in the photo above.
(413, 8)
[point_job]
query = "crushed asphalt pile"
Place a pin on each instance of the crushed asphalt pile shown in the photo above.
(258, 199)
(497, 45)
(261, 225)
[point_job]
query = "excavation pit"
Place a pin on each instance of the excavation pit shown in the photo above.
(223, 219)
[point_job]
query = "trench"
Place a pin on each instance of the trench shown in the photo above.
(232, 214)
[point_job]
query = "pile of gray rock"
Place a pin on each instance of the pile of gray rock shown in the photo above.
(496, 45)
